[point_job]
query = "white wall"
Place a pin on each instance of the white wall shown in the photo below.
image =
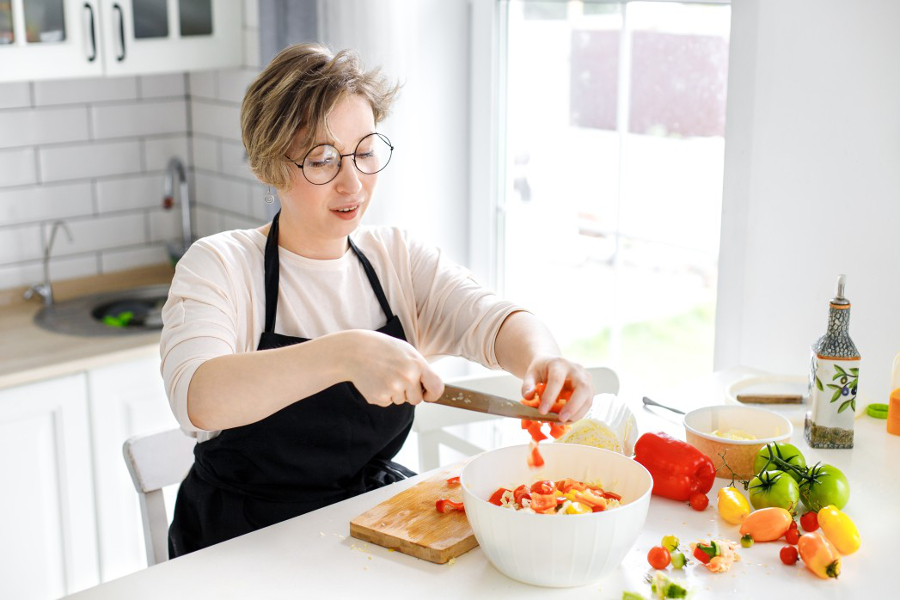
(424, 44)
(812, 184)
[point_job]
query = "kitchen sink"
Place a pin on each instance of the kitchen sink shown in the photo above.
(124, 312)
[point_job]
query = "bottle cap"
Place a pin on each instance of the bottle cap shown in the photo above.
(877, 411)
(839, 299)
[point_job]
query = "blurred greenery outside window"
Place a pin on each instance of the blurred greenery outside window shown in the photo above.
(614, 144)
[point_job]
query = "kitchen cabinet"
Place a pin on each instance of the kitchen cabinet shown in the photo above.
(52, 39)
(47, 505)
(71, 515)
(125, 399)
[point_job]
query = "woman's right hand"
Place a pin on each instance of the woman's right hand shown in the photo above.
(388, 371)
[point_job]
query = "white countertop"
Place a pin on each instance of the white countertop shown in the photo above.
(314, 556)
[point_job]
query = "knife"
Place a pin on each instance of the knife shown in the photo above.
(458, 397)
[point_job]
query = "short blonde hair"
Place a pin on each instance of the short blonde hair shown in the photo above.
(298, 91)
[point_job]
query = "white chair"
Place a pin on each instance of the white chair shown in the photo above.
(431, 420)
(157, 460)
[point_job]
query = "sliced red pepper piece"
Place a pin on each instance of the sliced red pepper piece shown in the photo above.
(542, 503)
(453, 480)
(535, 430)
(535, 459)
(608, 495)
(445, 506)
(567, 485)
(557, 430)
(496, 496)
(520, 493)
(702, 556)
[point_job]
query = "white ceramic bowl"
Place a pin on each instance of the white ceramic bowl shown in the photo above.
(555, 550)
(765, 425)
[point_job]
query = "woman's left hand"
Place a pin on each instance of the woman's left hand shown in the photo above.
(556, 372)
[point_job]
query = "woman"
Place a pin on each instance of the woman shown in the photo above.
(295, 352)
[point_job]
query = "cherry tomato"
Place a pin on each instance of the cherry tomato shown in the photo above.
(658, 557)
(793, 525)
(789, 555)
(542, 487)
(702, 556)
(699, 501)
(746, 540)
(809, 521)
(792, 536)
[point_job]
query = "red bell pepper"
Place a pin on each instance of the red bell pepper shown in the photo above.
(678, 469)
(453, 480)
(444, 505)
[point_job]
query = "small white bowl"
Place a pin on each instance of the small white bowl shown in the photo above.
(555, 550)
(766, 426)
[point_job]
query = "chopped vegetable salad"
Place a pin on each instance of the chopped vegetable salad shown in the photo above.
(565, 497)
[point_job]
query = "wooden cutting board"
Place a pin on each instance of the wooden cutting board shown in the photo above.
(410, 523)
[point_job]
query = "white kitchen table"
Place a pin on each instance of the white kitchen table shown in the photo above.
(313, 556)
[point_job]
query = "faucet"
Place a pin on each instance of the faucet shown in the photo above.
(44, 289)
(174, 169)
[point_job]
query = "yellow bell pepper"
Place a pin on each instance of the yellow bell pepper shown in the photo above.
(732, 505)
(839, 529)
(577, 508)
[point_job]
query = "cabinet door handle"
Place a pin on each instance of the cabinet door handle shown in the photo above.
(121, 54)
(90, 12)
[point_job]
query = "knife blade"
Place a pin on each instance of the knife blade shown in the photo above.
(458, 397)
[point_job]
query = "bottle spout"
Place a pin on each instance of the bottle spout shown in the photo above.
(839, 298)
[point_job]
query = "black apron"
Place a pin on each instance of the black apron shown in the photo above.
(328, 447)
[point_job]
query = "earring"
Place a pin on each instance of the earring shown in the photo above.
(269, 198)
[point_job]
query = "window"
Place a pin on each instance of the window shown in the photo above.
(612, 145)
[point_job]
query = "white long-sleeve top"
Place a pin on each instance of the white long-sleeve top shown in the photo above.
(216, 303)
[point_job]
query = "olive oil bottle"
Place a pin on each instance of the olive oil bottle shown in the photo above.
(833, 379)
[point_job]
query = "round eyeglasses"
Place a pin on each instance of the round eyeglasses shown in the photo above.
(323, 163)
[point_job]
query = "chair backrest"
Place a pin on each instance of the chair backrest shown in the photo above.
(157, 460)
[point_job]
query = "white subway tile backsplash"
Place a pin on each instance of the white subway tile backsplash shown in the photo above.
(30, 127)
(251, 48)
(216, 119)
(202, 84)
(17, 167)
(127, 193)
(165, 225)
(224, 194)
(206, 153)
(208, 222)
(233, 84)
(20, 243)
(101, 233)
(75, 91)
(89, 160)
(15, 95)
(234, 161)
(32, 272)
(140, 118)
(163, 86)
(131, 258)
(46, 202)
(158, 151)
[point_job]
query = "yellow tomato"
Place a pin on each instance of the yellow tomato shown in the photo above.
(732, 505)
(839, 529)
(819, 555)
(577, 508)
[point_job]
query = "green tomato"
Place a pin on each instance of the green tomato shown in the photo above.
(827, 485)
(774, 488)
(786, 452)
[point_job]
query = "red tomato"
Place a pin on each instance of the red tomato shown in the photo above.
(543, 487)
(789, 555)
(520, 493)
(793, 525)
(792, 536)
(702, 556)
(699, 501)
(495, 497)
(543, 502)
(658, 557)
(809, 521)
